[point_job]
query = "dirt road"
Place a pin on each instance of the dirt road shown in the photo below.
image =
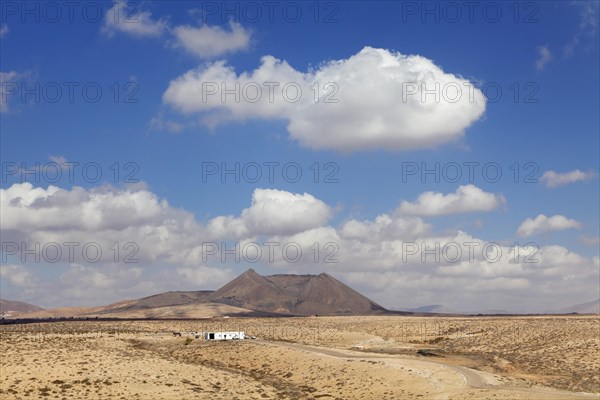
(446, 379)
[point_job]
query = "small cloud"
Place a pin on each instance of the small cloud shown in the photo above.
(588, 26)
(17, 275)
(61, 160)
(3, 30)
(125, 18)
(465, 199)
(544, 56)
(63, 165)
(212, 41)
(590, 240)
(554, 179)
(9, 82)
(159, 123)
(204, 41)
(542, 224)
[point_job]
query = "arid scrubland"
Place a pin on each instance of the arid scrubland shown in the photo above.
(305, 358)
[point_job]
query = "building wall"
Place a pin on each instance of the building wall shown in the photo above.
(223, 335)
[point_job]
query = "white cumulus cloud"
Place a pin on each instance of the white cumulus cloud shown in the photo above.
(467, 198)
(102, 215)
(374, 99)
(273, 212)
(397, 259)
(554, 179)
(542, 223)
(384, 226)
(106, 215)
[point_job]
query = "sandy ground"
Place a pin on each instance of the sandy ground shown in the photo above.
(304, 358)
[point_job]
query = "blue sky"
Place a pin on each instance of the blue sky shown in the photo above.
(543, 56)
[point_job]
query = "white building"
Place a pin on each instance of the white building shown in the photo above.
(224, 335)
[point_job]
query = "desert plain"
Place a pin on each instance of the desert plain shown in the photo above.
(351, 357)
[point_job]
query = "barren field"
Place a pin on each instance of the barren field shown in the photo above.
(395, 357)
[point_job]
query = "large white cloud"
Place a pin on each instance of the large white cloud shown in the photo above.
(554, 179)
(273, 212)
(374, 99)
(467, 198)
(102, 215)
(397, 260)
(411, 271)
(26, 207)
(107, 215)
(542, 223)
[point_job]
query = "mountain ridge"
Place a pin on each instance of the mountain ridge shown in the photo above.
(11, 307)
(248, 294)
(291, 294)
(590, 307)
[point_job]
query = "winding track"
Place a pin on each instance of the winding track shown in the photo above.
(468, 377)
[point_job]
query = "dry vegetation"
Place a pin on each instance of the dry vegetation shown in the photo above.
(304, 358)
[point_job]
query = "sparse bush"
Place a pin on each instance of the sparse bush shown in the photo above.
(427, 353)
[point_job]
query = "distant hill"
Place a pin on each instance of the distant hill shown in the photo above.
(592, 307)
(167, 299)
(441, 309)
(16, 307)
(250, 294)
(433, 308)
(196, 310)
(295, 295)
(492, 312)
